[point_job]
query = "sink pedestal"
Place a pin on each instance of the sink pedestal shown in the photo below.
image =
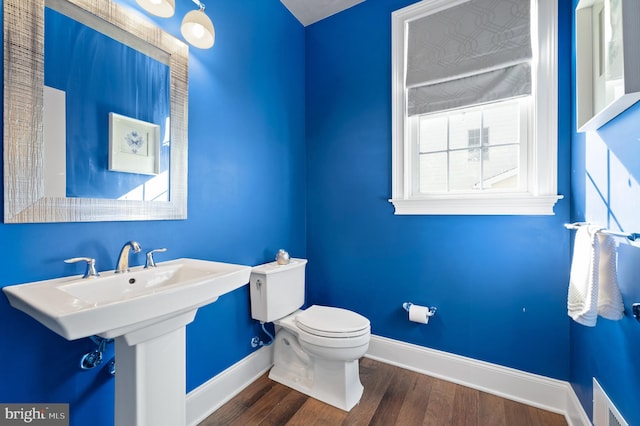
(151, 374)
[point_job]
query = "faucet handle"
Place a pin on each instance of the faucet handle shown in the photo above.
(90, 272)
(151, 263)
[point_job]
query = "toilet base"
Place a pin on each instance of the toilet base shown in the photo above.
(327, 373)
(333, 382)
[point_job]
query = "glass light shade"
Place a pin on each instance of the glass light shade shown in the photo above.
(197, 29)
(162, 8)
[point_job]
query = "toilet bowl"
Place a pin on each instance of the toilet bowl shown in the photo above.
(315, 350)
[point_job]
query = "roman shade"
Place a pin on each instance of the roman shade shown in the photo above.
(472, 53)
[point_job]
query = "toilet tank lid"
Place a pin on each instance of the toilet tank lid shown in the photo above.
(331, 320)
(273, 267)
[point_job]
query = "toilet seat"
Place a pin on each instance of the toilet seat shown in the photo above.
(330, 322)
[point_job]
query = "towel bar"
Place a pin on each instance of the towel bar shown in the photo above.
(632, 236)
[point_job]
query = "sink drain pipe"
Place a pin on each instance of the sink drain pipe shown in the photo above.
(94, 358)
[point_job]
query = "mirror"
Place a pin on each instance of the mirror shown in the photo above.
(106, 106)
(607, 63)
(29, 155)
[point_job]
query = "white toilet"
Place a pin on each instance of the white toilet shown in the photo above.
(316, 351)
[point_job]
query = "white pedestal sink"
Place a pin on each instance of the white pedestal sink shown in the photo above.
(145, 311)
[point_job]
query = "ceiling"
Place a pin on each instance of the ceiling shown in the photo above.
(310, 11)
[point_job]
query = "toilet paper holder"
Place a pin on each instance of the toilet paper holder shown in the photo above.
(432, 310)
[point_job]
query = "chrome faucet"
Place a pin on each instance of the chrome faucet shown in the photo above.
(123, 259)
(151, 263)
(90, 272)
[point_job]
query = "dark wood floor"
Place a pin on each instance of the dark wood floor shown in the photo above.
(392, 396)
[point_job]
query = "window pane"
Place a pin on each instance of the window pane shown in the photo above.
(501, 171)
(465, 174)
(502, 119)
(459, 125)
(433, 172)
(433, 133)
(475, 139)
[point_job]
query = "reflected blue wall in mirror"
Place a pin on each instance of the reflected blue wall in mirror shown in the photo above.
(100, 75)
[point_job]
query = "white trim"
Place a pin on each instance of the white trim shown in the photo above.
(542, 174)
(507, 204)
(531, 389)
(549, 394)
(575, 414)
(604, 409)
(545, 129)
(208, 397)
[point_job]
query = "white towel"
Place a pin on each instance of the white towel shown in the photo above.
(610, 304)
(593, 286)
(582, 303)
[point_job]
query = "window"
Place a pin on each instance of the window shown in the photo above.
(477, 141)
(475, 136)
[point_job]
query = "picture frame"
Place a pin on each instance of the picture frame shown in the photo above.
(134, 145)
(607, 62)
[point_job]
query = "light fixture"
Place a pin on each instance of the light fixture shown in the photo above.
(162, 8)
(197, 28)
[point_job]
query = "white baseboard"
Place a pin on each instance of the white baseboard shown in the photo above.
(575, 415)
(549, 394)
(538, 391)
(208, 397)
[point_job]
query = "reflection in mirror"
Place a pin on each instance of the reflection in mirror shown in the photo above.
(88, 76)
(98, 117)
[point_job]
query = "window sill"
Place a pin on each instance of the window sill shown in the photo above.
(478, 205)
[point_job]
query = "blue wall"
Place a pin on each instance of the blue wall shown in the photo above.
(499, 282)
(605, 188)
(246, 200)
(266, 87)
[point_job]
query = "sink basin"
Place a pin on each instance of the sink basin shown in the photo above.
(116, 304)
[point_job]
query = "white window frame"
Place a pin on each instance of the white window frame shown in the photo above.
(540, 195)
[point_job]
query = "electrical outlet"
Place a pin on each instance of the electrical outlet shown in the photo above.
(636, 311)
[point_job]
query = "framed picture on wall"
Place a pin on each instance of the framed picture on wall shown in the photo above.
(134, 145)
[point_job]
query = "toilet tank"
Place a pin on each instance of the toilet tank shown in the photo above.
(277, 290)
